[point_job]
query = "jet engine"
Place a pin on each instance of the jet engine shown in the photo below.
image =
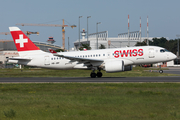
(114, 66)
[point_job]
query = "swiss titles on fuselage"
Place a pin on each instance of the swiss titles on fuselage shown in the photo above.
(128, 53)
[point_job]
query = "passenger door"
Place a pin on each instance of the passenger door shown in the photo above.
(46, 60)
(151, 53)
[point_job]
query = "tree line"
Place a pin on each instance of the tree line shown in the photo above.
(170, 45)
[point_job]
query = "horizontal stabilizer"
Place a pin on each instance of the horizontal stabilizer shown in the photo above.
(16, 58)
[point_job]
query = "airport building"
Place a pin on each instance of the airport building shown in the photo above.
(95, 40)
(101, 38)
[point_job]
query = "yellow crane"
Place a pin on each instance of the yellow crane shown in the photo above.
(52, 25)
(26, 32)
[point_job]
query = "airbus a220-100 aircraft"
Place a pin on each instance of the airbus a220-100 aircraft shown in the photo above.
(110, 60)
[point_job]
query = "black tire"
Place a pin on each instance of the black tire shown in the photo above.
(93, 75)
(99, 74)
(160, 71)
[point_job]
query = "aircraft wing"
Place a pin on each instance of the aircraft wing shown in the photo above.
(81, 60)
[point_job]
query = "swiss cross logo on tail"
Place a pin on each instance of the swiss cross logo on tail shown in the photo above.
(21, 40)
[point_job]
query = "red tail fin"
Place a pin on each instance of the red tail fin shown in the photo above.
(22, 42)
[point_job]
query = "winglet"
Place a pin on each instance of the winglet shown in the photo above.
(51, 50)
(54, 52)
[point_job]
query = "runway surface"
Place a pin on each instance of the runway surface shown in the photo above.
(89, 80)
(172, 70)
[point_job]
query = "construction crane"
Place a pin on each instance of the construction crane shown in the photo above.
(26, 32)
(1, 40)
(4, 33)
(29, 33)
(52, 25)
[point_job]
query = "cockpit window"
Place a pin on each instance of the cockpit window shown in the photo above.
(162, 50)
(166, 50)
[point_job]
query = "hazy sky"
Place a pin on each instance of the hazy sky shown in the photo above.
(164, 17)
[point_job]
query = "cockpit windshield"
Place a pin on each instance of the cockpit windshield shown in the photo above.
(166, 50)
(163, 50)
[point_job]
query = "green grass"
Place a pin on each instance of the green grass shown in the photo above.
(136, 72)
(90, 101)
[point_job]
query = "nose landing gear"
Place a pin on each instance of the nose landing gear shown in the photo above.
(160, 71)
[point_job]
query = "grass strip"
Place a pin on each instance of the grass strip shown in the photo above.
(80, 101)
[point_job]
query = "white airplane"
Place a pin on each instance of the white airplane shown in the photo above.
(110, 60)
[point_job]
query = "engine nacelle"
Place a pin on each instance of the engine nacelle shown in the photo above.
(128, 68)
(114, 66)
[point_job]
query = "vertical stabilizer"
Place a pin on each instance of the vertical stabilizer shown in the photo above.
(22, 42)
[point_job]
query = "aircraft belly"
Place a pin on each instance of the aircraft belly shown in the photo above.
(61, 65)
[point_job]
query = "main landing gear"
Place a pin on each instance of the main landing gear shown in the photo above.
(98, 74)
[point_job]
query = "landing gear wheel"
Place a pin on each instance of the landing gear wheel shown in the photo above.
(93, 75)
(160, 71)
(99, 74)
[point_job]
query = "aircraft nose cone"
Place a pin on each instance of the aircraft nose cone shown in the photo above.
(173, 56)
